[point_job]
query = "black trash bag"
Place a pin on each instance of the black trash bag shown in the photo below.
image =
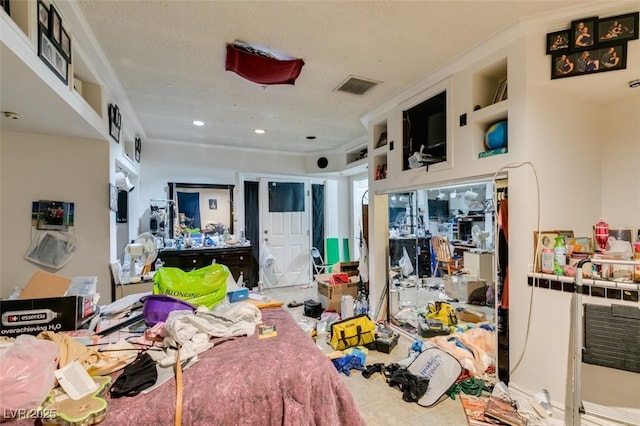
(136, 377)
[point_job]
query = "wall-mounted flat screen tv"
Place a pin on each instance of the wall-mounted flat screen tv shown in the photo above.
(425, 130)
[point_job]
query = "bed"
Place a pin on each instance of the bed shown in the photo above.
(282, 380)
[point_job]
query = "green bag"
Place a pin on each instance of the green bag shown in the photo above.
(205, 286)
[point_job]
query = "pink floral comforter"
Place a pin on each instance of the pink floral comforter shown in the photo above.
(283, 380)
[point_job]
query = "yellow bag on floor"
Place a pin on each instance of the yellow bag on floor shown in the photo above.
(442, 311)
(354, 331)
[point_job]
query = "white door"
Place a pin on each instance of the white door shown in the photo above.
(286, 233)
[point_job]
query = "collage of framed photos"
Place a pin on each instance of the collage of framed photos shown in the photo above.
(54, 43)
(592, 45)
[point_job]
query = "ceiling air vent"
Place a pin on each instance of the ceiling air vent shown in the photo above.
(357, 85)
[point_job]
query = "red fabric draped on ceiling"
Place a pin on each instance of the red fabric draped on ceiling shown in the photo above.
(261, 69)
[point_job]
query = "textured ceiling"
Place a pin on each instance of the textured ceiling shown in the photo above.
(170, 59)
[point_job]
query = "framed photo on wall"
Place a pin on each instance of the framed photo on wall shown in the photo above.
(621, 27)
(52, 57)
(55, 26)
(43, 16)
(114, 122)
(137, 149)
(583, 34)
(65, 45)
(557, 41)
(608, 58)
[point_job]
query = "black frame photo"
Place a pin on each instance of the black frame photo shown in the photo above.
(579, 39)
(557, 41)
(55, 26)
(51, 56)
(65, 44)
(606, 58)
(43, 16)
(114, 122)
(137, 149)
(621, 27)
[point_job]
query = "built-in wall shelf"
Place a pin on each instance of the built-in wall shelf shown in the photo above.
(379, 145)
(490, 104)
(490, 84)
(19, 11)
(357, 156)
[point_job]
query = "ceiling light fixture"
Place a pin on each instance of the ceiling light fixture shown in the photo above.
(198, 123)
(259, 131)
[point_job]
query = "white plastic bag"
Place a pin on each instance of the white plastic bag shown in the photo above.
(27, 369)
(405, 263)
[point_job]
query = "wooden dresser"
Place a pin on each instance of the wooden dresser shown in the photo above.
(237, 259)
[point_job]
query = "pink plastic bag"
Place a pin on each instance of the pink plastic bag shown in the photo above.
(27, 369)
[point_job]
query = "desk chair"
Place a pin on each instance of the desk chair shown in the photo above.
(318, 262)
(445, 261)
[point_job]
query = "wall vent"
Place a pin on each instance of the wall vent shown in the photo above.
(356, 85)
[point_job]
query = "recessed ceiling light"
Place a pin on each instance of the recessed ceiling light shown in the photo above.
(259, 131)
(198, 123)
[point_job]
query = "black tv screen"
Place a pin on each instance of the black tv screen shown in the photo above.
(425, 130)
(438, 209)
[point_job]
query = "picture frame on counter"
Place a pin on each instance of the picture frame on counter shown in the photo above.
(52, 57)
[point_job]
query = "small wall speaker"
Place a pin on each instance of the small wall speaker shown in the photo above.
(322, 162)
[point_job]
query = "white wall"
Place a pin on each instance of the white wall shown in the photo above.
(39, 167)
(173, 162)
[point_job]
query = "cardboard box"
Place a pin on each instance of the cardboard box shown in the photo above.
(43, 306)
(469, 315)
(350, 268)
(460, 287)
(330, 296)
(32, 316)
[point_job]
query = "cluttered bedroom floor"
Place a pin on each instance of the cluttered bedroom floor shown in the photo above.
(379, 403)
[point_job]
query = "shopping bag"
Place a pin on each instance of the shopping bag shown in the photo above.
(354, 331)
(204, 286)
